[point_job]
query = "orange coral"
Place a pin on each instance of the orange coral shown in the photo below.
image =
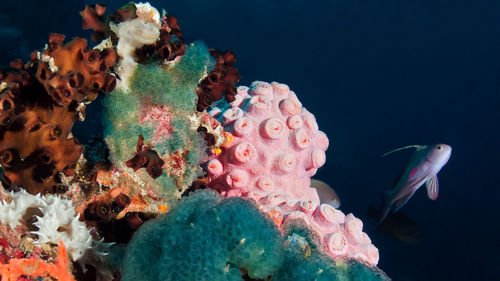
(35, 142)
(39, 103)
(73, 71)
(34, 268)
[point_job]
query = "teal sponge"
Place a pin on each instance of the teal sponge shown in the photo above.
(319, 267)
(205, 238)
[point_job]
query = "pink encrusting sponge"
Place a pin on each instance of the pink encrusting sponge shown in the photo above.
(273, 147)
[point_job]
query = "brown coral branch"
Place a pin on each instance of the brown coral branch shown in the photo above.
(146, 158)
(93, 18)
(169, 45)
(220, 82)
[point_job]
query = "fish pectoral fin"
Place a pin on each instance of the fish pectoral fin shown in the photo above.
(400, 202)
(432, 186)
(412, 187)
(406, 147)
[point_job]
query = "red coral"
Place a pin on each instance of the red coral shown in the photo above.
(93, 18)
(146, 158)
(221, 80)
(168, 46)
(7, 252)
(19, 267)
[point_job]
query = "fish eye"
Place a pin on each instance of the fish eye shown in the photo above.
(439, 147)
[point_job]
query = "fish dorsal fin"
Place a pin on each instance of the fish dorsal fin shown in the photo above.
(402, 148)
(432, 186)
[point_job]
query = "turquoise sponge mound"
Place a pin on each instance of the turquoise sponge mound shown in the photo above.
(319, 267)
(205, 238)
(209, 238)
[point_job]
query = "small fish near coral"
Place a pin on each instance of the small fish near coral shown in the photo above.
(424, 165)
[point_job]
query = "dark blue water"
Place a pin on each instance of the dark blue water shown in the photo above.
(377, 75)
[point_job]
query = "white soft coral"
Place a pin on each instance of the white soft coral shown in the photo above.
(58, 222)
(13, 211)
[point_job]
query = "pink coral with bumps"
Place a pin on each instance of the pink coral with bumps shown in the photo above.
(341, 236)
(275, 146)
(272, 150)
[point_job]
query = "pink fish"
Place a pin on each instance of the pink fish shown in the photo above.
(424, 165)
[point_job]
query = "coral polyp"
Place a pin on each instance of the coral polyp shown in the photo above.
(126, 205)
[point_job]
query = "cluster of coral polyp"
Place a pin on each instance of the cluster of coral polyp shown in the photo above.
(273, 147)
(39, 102)
(174, 121)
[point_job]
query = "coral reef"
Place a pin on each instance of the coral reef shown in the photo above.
(74, 73)
(174, 121)
(36, 145)
(340, 236)
(218, 239)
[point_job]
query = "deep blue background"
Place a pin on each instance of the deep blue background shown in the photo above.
(377, 75)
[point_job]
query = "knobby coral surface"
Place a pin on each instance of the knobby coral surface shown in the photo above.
(273, 146)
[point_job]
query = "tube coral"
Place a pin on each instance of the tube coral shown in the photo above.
(39, 102)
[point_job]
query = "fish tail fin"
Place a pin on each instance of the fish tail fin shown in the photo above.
(374, 214)
(402, 148)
